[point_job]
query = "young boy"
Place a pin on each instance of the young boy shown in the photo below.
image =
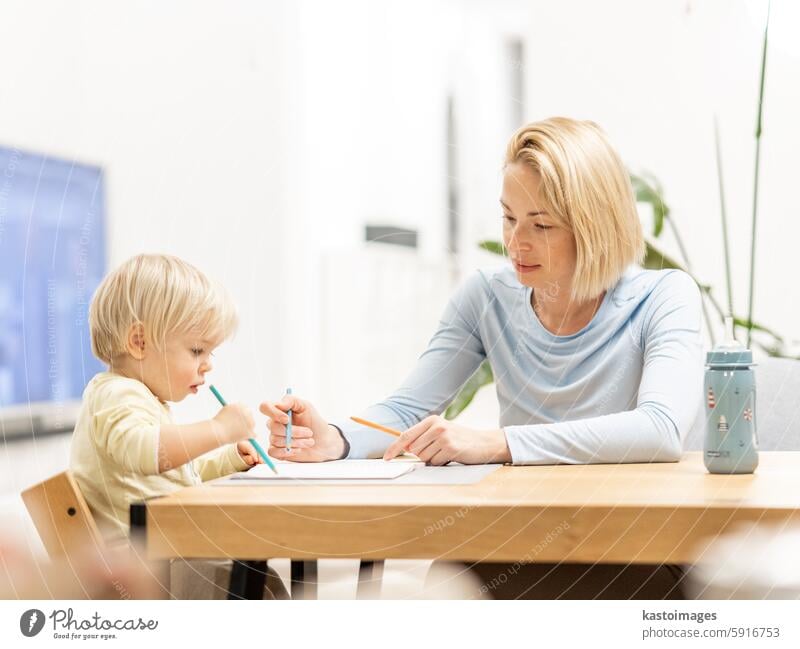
(155, 321)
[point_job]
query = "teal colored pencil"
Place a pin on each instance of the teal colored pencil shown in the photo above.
(255, 444)
(289, 426)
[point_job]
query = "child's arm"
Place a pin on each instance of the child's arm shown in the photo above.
(179, 444)
(226, 460)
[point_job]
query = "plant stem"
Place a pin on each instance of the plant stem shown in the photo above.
(723, 211)
(755, 182)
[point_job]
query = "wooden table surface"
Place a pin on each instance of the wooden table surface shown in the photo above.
(640, 513)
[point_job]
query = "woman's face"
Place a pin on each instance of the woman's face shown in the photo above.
(543, 253)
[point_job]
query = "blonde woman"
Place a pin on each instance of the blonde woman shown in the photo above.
(595, 359)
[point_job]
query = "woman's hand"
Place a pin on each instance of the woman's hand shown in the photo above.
(437, 441)
(313, 438)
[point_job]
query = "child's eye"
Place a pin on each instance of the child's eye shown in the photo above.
(509, 219)
(541, 226)
(197, 351)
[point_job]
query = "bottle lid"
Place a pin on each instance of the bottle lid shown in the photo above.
(730, 352)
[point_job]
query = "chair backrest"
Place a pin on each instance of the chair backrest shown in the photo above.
(62, 517)
(777, 417)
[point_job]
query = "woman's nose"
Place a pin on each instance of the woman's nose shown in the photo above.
(520, 244)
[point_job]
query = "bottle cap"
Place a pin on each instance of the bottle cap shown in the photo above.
(730, 352)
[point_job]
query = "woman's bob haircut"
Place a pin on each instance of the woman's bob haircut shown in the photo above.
(587, 190)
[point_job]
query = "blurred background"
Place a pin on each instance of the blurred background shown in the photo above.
(335, 165)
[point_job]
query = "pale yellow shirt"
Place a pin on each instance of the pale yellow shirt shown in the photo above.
(114, 452)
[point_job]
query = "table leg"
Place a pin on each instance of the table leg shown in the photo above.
(247, 580)
(303, 579)
(370, 576)
(138, 550)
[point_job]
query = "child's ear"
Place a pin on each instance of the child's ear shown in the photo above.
(135, 342)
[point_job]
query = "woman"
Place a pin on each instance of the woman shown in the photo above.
(595, 359)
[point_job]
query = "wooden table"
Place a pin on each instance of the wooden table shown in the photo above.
(629, 513)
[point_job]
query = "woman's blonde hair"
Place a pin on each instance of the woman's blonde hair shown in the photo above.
(587, 189)
(164, 294)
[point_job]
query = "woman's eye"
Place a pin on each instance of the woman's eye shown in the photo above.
(541, 226)
(196, 351)
(509, 219)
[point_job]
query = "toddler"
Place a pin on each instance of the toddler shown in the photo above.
(155, 322)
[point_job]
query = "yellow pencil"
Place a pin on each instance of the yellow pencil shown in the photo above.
(372, 424)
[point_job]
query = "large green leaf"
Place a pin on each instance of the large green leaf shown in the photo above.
(746, 324)
(649, 191)
(483, 376)
(657, 259)
(494, 246)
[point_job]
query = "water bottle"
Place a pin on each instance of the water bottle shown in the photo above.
(731, 443)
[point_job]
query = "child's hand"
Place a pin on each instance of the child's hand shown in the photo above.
(235, 422)
(248, 453)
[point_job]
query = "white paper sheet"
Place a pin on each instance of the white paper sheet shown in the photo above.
(337, 470)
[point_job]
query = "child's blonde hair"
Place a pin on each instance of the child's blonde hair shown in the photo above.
(164, 294)
(588, 190)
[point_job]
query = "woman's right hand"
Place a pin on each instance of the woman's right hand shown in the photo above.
(313, 438)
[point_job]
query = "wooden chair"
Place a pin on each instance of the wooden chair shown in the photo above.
(82, 564)
(62, 517)
(67, 527)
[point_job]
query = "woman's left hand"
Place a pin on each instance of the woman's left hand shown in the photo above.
(437, 441)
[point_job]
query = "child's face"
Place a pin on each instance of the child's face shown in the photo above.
(180, 368)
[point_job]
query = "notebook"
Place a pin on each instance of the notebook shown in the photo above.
(337, 470)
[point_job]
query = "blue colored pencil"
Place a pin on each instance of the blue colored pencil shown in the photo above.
(289, 426)
(255, 444)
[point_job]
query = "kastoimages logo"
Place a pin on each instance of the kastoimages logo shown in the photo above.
(31, 622)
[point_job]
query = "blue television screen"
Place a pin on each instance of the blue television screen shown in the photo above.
(52, 257)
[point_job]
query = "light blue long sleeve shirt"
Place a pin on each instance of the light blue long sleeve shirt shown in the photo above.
(626, 388)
